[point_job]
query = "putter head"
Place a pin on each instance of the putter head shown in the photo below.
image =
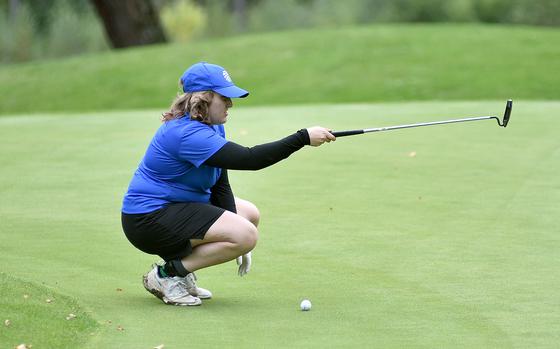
(507, 113)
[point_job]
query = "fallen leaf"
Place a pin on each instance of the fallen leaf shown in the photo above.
(23, 346)
(161, 346)
(7, 323)
(120, 328)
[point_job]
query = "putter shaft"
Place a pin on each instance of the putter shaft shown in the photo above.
(389, 128)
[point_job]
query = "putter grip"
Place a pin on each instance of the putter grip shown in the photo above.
(346, 133)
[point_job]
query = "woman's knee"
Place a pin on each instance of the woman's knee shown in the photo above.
(247, 240)
(254, 215)
(234, 229)
(248, 210)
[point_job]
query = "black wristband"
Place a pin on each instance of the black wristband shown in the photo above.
(303, 132)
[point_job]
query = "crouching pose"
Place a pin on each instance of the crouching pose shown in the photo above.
(179, 204)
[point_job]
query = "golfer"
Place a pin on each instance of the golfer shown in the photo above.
(179, 204)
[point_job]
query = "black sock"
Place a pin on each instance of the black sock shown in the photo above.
(173, 268)
(161, 272)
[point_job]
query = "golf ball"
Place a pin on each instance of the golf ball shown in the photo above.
(305, 305)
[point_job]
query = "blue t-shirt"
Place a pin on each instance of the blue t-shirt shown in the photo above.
(172, 170)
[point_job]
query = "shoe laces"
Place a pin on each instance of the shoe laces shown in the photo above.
(175, 288)
(189, 281)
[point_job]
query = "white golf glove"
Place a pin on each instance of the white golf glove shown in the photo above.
(244, 263)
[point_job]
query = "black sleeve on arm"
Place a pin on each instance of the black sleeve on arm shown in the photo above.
(236, 157)
(221, 194)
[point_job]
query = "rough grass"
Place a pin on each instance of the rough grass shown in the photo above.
(455, 247)
(39, 316)
(356, 64)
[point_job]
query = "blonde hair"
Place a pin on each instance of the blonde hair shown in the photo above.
(194, 103)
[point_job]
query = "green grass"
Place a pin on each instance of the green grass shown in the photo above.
(39, 316)
(357, 64)
(456, 247)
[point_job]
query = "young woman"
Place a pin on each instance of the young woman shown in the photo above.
(179, 204)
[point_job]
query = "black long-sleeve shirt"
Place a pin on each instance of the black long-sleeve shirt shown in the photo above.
(237, 157)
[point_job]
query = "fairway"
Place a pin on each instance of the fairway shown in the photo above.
(435, 237)
(377, 63)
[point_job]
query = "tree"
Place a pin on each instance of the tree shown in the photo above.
(130, 22)
(13, 9)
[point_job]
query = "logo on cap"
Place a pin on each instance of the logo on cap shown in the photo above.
(226, 76)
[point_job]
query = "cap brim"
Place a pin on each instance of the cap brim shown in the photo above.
(232, 92)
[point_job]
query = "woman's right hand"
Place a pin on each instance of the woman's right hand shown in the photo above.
(319, 135)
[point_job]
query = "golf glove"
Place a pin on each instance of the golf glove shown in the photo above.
(244, 263)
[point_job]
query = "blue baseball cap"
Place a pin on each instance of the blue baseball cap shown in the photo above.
(210, 77)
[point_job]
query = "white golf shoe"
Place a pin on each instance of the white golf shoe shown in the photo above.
(189, 282)
(171, 290)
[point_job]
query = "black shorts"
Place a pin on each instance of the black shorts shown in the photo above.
(167, 232)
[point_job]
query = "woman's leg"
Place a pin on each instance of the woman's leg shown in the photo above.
(231, 236)
(248, 210)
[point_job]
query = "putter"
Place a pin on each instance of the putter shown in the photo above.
(503, 123)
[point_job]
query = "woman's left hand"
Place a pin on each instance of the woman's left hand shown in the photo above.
(244, 263)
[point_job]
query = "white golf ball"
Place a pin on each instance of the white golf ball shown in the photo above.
(305, 305)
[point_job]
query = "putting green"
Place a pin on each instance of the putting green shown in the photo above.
(444, 236)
